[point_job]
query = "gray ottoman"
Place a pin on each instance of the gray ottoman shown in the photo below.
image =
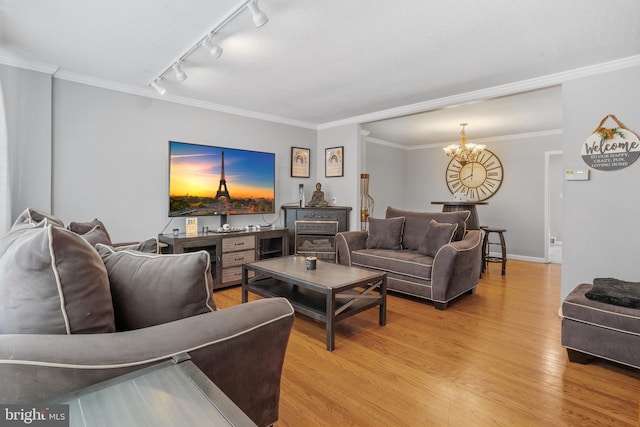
(592, 328)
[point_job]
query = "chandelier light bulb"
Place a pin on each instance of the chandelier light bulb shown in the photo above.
(464, 153)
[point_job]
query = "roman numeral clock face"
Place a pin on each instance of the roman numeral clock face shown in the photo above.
(477, 180)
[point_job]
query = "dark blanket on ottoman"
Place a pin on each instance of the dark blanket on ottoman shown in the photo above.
(616, 292)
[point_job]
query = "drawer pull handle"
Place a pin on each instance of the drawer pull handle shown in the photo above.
(239, 258)
(239, 243)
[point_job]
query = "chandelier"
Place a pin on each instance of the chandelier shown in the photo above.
(464, 153)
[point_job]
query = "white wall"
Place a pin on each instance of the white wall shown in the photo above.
(600, 215)
(556, 182)
(28, 108)
(519, 204)
(387, 167)
(345, 189)
(110, 156)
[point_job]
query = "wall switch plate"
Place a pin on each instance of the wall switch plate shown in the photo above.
(576, 175)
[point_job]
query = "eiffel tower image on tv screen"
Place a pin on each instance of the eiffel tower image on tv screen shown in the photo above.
(224, 194)
(245, 180)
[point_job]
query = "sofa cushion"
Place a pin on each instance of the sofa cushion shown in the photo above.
(385, 233)
(86, 227)
(415, 224)
(150, 289)
(405, 262)
(52, 281)
(437, 235)
(34, 216)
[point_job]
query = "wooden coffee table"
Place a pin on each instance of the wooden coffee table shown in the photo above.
(329, 293)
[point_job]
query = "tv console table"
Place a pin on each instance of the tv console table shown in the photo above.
(229, 250)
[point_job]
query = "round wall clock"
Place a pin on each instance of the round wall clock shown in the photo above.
(478, 180)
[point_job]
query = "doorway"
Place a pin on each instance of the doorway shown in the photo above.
(553, 206)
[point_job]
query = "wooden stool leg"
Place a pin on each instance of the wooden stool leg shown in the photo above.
(504, 253)
(485, 246)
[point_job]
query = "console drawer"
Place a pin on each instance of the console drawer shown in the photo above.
(233, 259)
(230, 244)
(233, 275)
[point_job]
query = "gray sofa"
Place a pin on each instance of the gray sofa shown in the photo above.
(438, 261)
(73, 315)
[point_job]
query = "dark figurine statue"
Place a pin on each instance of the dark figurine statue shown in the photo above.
(317, 199)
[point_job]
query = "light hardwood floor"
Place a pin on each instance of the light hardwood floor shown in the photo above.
(491, 359)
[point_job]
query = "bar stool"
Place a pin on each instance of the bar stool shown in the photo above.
(486, 248)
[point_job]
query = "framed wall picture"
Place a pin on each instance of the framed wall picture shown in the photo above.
(333, 162)
(300, 162)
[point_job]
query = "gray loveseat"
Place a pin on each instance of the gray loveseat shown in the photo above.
(437, 261)
(72, 315)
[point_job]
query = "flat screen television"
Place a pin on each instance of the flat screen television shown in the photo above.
(206, 180)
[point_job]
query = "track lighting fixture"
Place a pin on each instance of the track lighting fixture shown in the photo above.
(206, 41)
(259, 18)
(180, 75)
(214, 49)
(154, 84)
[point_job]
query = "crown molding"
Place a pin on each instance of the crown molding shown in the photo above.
(516, 136)
(30, 65)
(386, 143)
(492, 92)
(58, 73)
(150, 93)
(474, 96)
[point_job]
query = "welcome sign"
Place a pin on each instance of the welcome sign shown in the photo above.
(611, 149)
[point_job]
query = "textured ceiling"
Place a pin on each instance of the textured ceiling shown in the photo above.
(320, 61)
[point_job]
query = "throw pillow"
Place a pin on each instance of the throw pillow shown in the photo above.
(52, 282)
(150, 246)
(616, 292)
(385, 233)
(415, 224)
(437, 235)
(150, 289)
(96, 235)
(86, 227)
(34, 217)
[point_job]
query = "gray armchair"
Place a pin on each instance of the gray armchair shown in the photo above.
(73, 314)
(241, 349)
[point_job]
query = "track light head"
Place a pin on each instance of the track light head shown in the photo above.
(259, 18)
(180, 75)
(157, 87)
(214, 49)
(206, 41)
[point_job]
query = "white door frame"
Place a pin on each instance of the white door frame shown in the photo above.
(547, 204)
